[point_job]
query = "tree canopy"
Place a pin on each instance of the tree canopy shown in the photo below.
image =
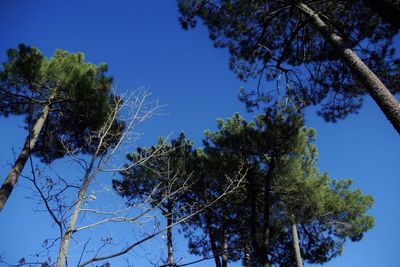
(254, 192)
(308, 47)
(79, 94)
(160, 176)
(283, 188)
(63, 100)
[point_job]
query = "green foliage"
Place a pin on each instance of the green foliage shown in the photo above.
(283, 187)
(159, 174)
(79, 95)
(275, 40)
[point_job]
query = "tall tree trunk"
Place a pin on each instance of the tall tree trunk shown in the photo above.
(66, 237)
(296, 246)
(378, 91)
(213, 243)
(246, 254)
(13, 175)
(225, 249)
(171, 261)
(252, 198)
(267, 209)
(388, 10)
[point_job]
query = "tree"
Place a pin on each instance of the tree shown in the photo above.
(169, 180)
(262, 143)
(312, 45)
(157, 177)
(327, 212)
(70, 200)
(62, 99)
(341, 213)
(164, 178)
(283, 189)
(212, 171)
(136, 110)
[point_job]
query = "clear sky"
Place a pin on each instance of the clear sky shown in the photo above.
(143, 44)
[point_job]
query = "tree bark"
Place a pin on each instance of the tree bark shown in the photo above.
(225, 249)
(388, 10)
(246, 254)
(213, 244)
(171, 261)
(66, 237)
(16, 170)
(378, 91)
(267, 209)
(252, 198)
(296, 246)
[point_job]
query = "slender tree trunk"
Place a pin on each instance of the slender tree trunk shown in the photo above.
(378, 91)
(252, 198)
(214, 249)
(246, 252)
(388, 10)
(171, 262)
(66, 237)
(296, 246)
(13, 175)
(213, 244)
(225, 249)
(267, 207)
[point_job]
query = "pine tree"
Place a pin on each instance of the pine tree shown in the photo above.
(284, 196)
(162, 179)
(212, 170)
(327, 52)
(62, 99)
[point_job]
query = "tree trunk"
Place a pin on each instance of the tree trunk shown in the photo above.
(246, 254)
(388, 10)
(296, 246)
(62, 253)
(252, 197)
(378, 91)
(267, 206)
(171, 262)
(13, 175)
(225, 249)
(213, 244)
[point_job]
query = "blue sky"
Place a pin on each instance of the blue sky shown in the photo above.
(143, 44)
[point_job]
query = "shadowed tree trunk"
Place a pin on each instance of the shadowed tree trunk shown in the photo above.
(388, 10)
(378, 91)
(267, 210)
(171, 261)
(225, 249)
(15, 172)
(296, 246)
(213, 244)
(246, 254)
(252, 198)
